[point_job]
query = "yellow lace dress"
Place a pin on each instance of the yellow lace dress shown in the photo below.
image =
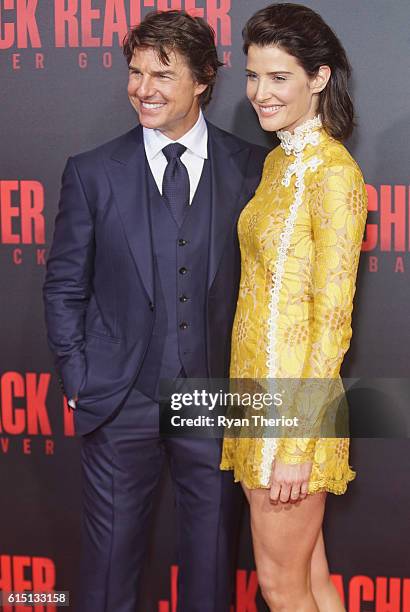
(300, 239)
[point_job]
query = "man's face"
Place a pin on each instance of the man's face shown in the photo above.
(165, 96)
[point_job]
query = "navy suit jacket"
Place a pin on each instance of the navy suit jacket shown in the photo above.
(98, 292)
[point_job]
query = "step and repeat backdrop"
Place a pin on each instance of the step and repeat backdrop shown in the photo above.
(62, 91)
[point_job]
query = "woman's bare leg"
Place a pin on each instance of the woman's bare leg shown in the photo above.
(247, 492)
(284, 537)
(323, 589)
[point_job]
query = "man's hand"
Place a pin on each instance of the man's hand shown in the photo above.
(289, 482)
(72, 402)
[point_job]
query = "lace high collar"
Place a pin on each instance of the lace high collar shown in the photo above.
(304, 134)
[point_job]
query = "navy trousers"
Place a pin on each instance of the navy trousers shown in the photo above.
(121, 466)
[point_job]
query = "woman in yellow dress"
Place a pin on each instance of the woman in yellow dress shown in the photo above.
(300, 239)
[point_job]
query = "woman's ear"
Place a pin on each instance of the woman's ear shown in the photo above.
(319, 82)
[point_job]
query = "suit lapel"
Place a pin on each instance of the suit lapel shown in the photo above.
(228, 162)
(127, 172)
(126, 169)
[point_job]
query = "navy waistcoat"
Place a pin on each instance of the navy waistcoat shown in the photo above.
(181, 256)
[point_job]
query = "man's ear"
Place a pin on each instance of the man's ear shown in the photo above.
(319, 82)
(200, 88)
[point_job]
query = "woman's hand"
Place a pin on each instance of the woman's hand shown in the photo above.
(289, 482)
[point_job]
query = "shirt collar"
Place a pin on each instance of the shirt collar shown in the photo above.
(196, 140)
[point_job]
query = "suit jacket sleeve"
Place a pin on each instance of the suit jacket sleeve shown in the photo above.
(68, 280)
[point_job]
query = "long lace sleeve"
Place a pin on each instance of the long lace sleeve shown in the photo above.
(338, 217)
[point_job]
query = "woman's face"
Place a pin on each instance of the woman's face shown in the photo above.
(279, 89)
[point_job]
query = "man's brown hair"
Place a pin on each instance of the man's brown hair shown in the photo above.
(192, 37)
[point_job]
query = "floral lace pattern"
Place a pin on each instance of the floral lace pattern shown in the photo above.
(300, 239)
(303, 135)
(291, 143)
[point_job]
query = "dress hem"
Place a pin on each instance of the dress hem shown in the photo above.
(319, 486)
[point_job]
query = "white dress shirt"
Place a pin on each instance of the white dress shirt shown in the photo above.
(196, 143)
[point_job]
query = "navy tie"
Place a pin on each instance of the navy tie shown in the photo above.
(175, 185)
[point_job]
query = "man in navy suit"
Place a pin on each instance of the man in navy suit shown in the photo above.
(142, 282)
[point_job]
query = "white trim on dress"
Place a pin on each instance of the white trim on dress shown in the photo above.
(292, 144)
